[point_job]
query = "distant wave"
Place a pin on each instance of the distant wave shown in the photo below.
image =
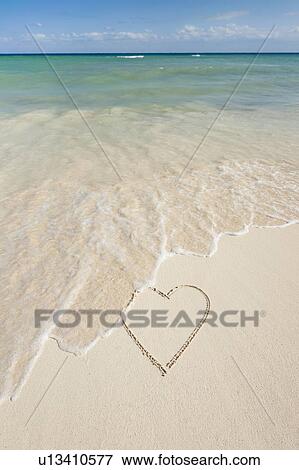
(195, 55)
(130, 56)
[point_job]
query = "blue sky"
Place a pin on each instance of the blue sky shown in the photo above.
(148, 25)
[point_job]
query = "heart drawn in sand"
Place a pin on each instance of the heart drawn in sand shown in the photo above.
(177, 355)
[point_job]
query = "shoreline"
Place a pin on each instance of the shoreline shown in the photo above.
(86, 379)
(149, 285)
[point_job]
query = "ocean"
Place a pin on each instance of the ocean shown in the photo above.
(102, 81)
(110, 163)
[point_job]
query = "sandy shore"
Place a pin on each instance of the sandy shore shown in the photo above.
(234, 387)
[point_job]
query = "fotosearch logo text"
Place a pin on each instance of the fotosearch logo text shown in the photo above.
(146, 318)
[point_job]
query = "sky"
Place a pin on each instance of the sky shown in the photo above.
(148, 25)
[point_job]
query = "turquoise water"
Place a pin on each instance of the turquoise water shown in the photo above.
(99, 81)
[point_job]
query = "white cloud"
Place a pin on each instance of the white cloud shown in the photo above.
(284, 33)
(233, 31)
(220, 32)
(5, 39)
(143, 36)
(74, 36)
(188, 32)
(93, 35)
(292, 13)
(229, 15)
(40, 36)
(99, 36)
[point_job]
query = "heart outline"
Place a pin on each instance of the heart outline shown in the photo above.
(190, 338)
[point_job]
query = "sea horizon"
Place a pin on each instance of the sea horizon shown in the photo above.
(151, 53)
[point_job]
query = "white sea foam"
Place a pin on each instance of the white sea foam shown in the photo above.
(130, 56)
(71, 246)
(195, 55)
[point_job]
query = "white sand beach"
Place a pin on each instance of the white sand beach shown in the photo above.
(233, 388)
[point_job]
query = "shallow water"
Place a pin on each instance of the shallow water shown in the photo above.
(101, 81)
(73, 235)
